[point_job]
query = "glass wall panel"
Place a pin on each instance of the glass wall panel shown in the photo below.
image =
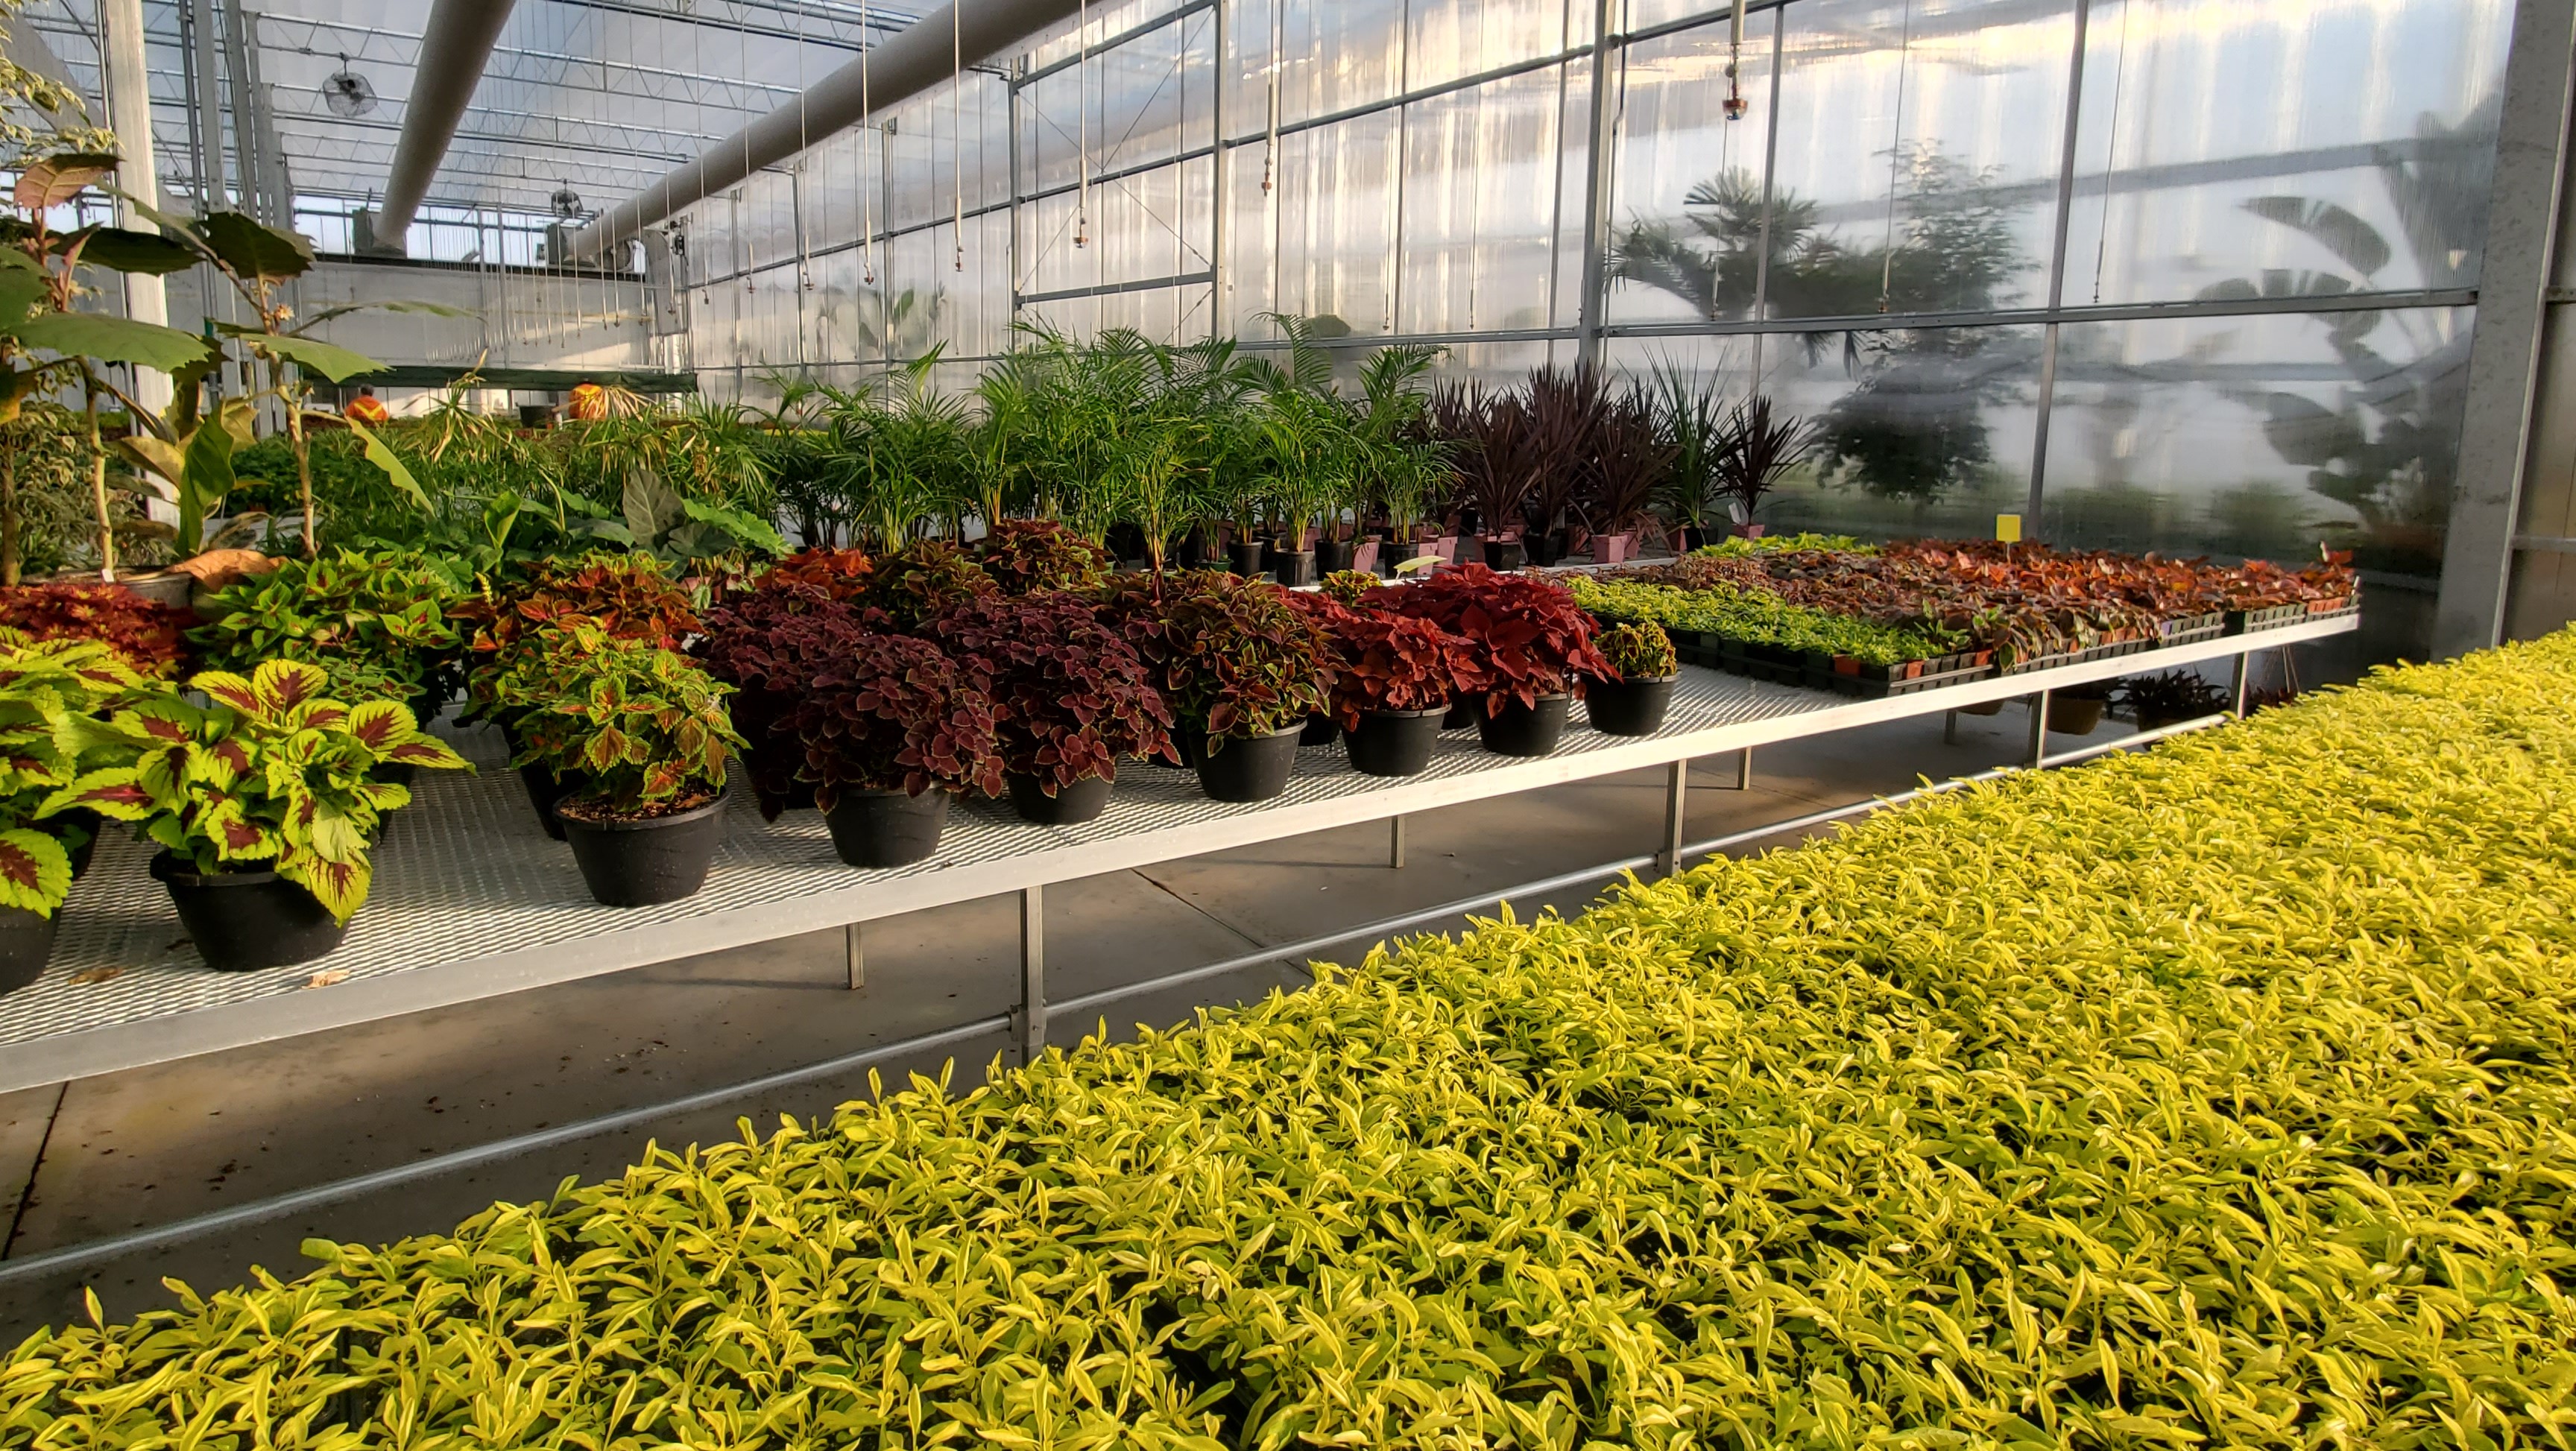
(2245, 150)
(1145, 100)
(1151, 225)
(1480, 224)
(1686, 188)
(2261, 435)
(1334, 218)
(1919, 147)
(1319, 57)
(1449, 39)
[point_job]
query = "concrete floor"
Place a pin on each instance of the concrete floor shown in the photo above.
(156, 1145)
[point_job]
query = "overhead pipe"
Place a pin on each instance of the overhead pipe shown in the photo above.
(454, 49)
(923, 55)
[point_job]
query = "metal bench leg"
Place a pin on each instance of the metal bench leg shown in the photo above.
(1395, 843)
(2244, 677)
(1668, 858)
(1744, 769)
(1950, 729)
(2039, 730)
(854, 955)
(1033, 1006)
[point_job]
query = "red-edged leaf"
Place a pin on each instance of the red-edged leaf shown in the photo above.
(225, 688)
(379, 723)
(426, 751)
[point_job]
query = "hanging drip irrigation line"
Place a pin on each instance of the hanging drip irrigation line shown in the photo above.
(957, 132)
(1895, 161)
(1082, 123)
(804, 145)
(742, 55)
(1735, 65)
(1270, 143)
(2111, 154)
(867, 190)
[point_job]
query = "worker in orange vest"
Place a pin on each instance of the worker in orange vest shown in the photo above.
(589, 402)
(365, 409)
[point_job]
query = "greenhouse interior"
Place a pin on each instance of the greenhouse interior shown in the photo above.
(1233, 725)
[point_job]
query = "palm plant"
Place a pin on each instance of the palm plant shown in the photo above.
(1398, 463)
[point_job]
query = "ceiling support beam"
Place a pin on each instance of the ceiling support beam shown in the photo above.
(897, 69)
(454, 49)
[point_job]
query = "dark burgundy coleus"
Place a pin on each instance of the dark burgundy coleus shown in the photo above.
(1529, 637)
(892, 713)
(768, 644)
(1072, 696)
(1230, 654)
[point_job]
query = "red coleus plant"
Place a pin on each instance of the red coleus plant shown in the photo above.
(1230, 654)
(925, 578)
(1034, 556)
(1392, 662)
(1072, 695)
(893, 713)
(840, 573)
(150, 636)
(767, 645)
(1527, 635)
(625, 596)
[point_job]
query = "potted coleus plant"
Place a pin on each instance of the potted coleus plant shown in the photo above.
(1394, 678)
(892, 729)
(1071, 699)
(149, 636)
(1632, 698)
(1533, 647)
(1035, 556)
(264, 802)
(1241, 668)
(644, 732)
(52, 693)
(916, 583)
(763, 644)
(376, 623)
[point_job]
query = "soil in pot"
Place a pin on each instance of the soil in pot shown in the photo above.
(26, 945)
(1072, 805)
(242, 921)
(1504, 554)
(1629, 707)
(638, 861)
(1245, 556)
(887, 828)
(2074, 715)
(1249, 768)
(1526, 730)
(1393, 742)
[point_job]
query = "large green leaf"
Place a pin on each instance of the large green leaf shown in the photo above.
(112, 340)
(386, 459)
(249, 248)
(21, 288)
(121, 249)
(328, 359)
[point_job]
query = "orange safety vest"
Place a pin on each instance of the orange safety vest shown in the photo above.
(365, 410)
(589, 403)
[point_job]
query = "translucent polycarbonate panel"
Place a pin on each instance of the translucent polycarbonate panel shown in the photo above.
(1918, 154)
(947, 146)
(2264, 150)
(1481, 221)
(1311, 58)
(1449, 39)
(1094, 25)
(1141, 102)
(931, 293)
(1686, 181)
(1922, 432)
(1136, 228)
(1164, 314)
(1334, 205)
(2261, 435)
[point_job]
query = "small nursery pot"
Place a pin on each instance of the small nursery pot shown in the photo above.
(241, 921)
(26, 945)
(2074, 715)
(1321, 730)
(545, 788)
(1249, 768)
(1546, 549)
(1504, 555)
(1462, 714)
(887, 828)
(1630, 707)
(1333, 556)
(1294, 568)
(1613, 548)
(639, 863)
(1393, 742)
(1072, 805)
(1245, 555)
(1525, 730)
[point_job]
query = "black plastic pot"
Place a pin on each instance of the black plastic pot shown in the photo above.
(1245, 556)
(2074, 715)
(1504, 554)
(1463, 713)
(26, 945)
(887, 828)
(1525, 730)
(1072, 805)
(545, 788)
(1249, 768)
(639, 863)
(1629, 707)
(1393, 742)
(242, 921)
(1332, 556)
(1189, 739)
(1321, 730)
(1546, 549)
(394, 773)
(88, 821)
(1296, 568)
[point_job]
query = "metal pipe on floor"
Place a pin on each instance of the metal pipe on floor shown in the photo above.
(912, 62)
(454, 49)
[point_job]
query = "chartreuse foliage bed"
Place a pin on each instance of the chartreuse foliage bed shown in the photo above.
(2214, 1097)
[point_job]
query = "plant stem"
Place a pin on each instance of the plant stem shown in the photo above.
(98, 478)
(9, 568)
(303, 454)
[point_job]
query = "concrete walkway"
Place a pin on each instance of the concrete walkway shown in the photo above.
(155, 1145)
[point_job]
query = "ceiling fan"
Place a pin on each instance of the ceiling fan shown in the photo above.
(348, 93)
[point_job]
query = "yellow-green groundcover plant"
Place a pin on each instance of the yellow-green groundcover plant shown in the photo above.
(2215, 1097)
